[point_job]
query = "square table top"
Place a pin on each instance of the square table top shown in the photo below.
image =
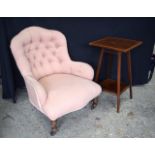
(116, 44)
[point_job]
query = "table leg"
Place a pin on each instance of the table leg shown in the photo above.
(129, 72)
(99, 65)
(100, 61)
(118, 80)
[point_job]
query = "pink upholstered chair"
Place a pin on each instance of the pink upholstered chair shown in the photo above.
(56, 85)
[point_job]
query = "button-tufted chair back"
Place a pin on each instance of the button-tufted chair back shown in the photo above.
(40, 52)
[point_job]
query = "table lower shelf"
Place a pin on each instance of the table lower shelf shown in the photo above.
(110, 86)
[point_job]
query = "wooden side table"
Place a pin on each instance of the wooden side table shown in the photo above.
(117, 46)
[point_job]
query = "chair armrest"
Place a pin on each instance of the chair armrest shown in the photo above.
(36, 92)
(82, 69)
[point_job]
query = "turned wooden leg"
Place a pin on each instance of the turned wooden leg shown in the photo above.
(118, 81)
(129, 72)
(53, 128)
(94, 103)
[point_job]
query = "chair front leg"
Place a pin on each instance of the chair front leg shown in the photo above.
(53, 128)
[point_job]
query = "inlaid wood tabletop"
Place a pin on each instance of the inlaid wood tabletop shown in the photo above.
(116, 43)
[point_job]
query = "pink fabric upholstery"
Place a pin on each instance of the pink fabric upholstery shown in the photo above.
(67, 93)
(36, 92)
(43, 60)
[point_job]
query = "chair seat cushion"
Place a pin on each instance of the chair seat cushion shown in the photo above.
(67, 93)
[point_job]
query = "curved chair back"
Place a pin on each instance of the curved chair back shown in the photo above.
(39, 52)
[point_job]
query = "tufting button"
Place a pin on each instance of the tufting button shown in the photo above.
(28, 50)
(43, 55)
(46, 47)
(40, 40)
(57, 45)
(41, 64)
(60, 60)
(28, 59)
(23, 44)
(49, 60)
(34, 57)
(52, 39)
(36, 48)
(30, 41)
(54, 53)
(34, 66)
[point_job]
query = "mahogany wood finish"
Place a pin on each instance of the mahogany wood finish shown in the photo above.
(118, 46)
(53, 128)
(129, 72)
(110, 86)
(99, 65)
(119, 58)
(94, 103)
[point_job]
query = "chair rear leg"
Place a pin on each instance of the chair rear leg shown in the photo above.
(94, 103)
(53, 128)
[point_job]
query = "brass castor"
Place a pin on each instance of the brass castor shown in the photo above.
(53, 128)
(94, 103)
